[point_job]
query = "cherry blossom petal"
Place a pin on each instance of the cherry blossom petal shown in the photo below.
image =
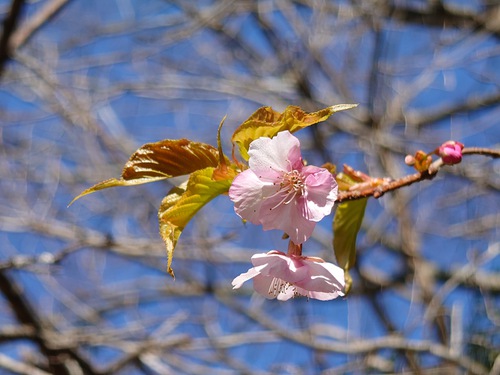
(278, 263)
(250, 274)
(294, 156)
(270, 156)
(290, 218)
(320, 277)
(246, 193)
(322, 191)
(318, 295)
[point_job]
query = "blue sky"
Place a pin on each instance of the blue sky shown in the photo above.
(102, 78)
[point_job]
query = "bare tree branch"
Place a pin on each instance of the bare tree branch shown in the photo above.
(9, 26)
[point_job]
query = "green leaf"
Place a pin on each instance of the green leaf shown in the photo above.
(160, 160)
(266, 122)
(346, 225)
(183, 202)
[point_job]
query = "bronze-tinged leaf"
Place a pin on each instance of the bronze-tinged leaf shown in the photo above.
(160, 160)
(346, 224)
(169, 158)
(183, 202)
(266, 122)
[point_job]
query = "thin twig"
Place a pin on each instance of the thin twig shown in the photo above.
(429, 174)
(28, 29)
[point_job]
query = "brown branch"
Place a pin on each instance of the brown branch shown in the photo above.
(481, 151)
(17, 332)
(433, 115)
(9, 25)
(17, 367)
(12, 37)
(26, 314)
(442, 15)
(429, 174)
(353, 346)
(22, 34)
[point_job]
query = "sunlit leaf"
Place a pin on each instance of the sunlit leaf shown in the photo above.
(349, 216)
(346, 224)
(183, 202)
(266, 122)
(160, 160)
(348, 281)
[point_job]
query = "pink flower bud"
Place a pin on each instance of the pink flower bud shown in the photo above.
(451, 152)
(409, 160)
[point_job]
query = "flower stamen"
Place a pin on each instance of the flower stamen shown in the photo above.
(293, 184)
(278, 286)
(293, 180)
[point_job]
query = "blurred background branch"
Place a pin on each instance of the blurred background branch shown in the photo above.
(84, 289)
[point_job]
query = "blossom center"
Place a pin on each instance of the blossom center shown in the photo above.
(278, 286)
(293, 182)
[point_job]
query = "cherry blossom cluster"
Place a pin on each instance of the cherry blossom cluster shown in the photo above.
(278, 191)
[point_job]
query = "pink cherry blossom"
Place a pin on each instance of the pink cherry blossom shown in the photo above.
(281, 276)
(451, 152)
(279, 192)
